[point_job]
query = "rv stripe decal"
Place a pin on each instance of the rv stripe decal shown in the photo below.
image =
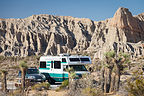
(45, 68)
(63, 62)
(60, 79)
(48, 64)
(55, 75)
(48, 61)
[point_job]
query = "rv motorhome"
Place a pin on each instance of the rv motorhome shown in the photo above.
(53, 67)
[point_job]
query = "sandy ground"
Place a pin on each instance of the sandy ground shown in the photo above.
(47, 93)
(54, 93)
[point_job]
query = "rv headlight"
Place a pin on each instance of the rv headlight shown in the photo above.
(31, 77)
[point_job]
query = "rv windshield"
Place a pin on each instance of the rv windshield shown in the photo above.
(78, 67)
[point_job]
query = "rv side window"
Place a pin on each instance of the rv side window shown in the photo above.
(84, 59)
(63, 59)
(57, 64)
(74, 59)
(42, 64)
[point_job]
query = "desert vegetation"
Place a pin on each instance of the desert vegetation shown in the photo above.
(23, 68)
(135, 84)
(117, 74)
(4, 81)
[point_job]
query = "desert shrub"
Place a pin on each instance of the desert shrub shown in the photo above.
(64, 85)
(135, 85)
(40, 86)
(92, 92)
(17, 92)
(14, 67)
(76, 87)
(11, 58)
(110, 54)
(97, 65)
(2, 58)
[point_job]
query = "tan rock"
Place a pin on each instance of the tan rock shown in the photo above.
(50, 35)
(124, 19)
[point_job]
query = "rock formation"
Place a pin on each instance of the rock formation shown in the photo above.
(122, 33)
(48, 34)
(123, 19)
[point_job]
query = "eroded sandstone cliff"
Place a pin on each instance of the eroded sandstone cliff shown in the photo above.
(48, 34)
(122, 33)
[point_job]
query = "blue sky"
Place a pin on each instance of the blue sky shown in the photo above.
(93, 9)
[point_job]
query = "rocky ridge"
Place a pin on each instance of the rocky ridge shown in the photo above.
(50, 35)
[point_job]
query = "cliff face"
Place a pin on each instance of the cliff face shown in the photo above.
(122, 33)
(123, 19)
(48, 34)
(44, 34)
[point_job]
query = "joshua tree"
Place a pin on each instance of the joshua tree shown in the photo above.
(23, 66)
(107, 71)
(71, 75)
(4, 82)
(111, 70)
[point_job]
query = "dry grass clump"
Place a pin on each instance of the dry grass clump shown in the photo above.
(78, 86)
(135, 85)
(92, 92)
(96, 66)
(41, 86)
(17, 92)
(64, 85)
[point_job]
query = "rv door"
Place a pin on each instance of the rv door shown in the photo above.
(56, 71)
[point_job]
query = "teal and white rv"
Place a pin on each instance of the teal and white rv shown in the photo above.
(53, 67)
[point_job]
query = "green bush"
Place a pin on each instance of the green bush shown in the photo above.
(23, 64)
(40, 86)
(135, 85)
(110, 54)
(64, 84)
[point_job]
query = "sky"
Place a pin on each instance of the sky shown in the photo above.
(96, 10)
